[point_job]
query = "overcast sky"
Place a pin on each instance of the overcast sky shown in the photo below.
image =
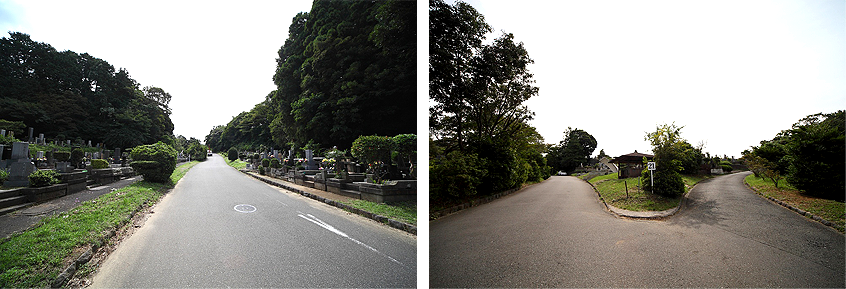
(215, 58)
(732, 73)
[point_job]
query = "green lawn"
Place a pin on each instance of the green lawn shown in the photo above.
(613, 191)
(830, 210)
(35, 257)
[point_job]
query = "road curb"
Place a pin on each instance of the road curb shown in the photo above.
(799, 211)
(412, 229)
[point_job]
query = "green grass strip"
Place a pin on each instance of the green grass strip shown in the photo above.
(404, 211)
(831, 210)
(35, 257)
(237, 164)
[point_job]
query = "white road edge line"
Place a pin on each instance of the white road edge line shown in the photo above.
(332, 229)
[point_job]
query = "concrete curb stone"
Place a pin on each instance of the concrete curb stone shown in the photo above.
(645, 215)
(412, 229)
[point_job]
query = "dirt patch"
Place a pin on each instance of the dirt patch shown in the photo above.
(87, 271)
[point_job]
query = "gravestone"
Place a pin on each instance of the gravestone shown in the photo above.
(40, 139)
(2, 149)
(21, 166)
(89, 143)
(117, 156)
(30, 134)
(3, 132)
(309, 160)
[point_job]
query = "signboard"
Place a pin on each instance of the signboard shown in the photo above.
(650, 166)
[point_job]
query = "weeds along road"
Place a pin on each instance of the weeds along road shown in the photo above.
(557, 234)
(221, 228)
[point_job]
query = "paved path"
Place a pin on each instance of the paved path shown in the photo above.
(557, 234)
(200, 236)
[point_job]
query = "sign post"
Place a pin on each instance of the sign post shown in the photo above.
(651, 167)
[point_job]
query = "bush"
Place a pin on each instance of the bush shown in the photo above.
(274, 163)
(261, 170)
(667, 183)
(265, 162)
(375, 151)
(232, 154)
(4, 175)
(726, 166)
(43, 178)
(456, 175)
(76, 157)
(99, 164)
(155, 162)
(61, 156)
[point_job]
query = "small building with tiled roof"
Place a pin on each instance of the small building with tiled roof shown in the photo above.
(630, 165)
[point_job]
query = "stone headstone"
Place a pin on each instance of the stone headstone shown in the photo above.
(21, 166)
(309, 160)
(30, 134)
(89, 143)
(39, 154)
(40, 138)
(20, 150)
(3, 132)
(2, 149)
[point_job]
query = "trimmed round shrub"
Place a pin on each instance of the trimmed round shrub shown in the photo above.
(274, 163)
(667, 183)
(155, 162)
(76, 156)
(43, 178)
(265, 162)
(61, 156)
(99, 164)
(232, 154)
(261, 170)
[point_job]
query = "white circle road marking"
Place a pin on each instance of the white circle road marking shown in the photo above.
(244, 208)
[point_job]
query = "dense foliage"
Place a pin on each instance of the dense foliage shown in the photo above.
(668, 146)
(66, 95)
(155, 162)
(477, 117)
(99, 164)
(43, 178)
(232, 154)
(811, 156)
(346, 69)
(573, 151)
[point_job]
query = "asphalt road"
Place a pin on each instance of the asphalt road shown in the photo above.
(557, 234)
(220, 228)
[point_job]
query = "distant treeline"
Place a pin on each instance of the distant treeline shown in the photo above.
(347, 69)
(66, 95)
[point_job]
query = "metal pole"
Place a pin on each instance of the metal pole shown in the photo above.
(651, 181)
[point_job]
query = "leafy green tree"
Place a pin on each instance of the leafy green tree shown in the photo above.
(574, 150)
(668, 146)
(816, 153)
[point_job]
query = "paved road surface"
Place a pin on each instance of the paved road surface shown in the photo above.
(197, 238)
(557, 234)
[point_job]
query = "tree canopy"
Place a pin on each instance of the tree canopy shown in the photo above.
(346, 69)
(66, 95)
(477, 118)
(574, 150)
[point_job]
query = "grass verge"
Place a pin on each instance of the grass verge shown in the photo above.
(613, 191)
(35, 257)
(237, 164)
(404, 211)
(830, 210)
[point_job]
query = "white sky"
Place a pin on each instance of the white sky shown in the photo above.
(215, 58)
(732, 72)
